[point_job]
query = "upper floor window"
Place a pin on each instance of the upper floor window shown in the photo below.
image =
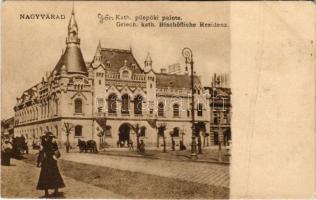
(125, 104)
(138, 104)
(176, 112)
(161, 109)
(112, 103)
(108, 64)
(199, 109)
(78, 106)
(125, 75)
(78, 131)
(100, 104)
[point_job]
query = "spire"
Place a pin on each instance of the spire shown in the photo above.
(99, 45)
(72, 30)
(97, 56)
(148, 61)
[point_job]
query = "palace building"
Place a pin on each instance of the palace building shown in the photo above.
(111, 99)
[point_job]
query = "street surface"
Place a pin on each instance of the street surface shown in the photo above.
(20, 179)
(206, 173)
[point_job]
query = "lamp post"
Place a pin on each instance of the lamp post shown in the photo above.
(187, 54)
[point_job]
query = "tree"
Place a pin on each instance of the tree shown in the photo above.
(68, 127)
(172, 141)
(100, 134)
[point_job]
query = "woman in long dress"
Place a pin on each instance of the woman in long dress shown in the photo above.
(50, 177)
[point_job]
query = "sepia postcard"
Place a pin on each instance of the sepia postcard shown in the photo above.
(157, 100)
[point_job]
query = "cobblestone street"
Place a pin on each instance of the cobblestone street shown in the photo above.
(206, 173)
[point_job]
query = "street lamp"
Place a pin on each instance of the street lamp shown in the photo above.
(187, 54)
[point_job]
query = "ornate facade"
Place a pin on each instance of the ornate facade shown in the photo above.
(107, 98)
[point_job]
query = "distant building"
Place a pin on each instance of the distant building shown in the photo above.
(220, 80)
(175, 69)
(7, 127)
(108, 98)
(220, 109)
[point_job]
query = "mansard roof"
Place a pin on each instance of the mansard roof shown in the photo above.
(117, 57)
(73, 60)
(165, 80)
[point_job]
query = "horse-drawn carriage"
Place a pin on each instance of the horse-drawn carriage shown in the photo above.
(19, 146)
(85, 146)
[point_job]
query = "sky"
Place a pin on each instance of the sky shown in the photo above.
(32, 47)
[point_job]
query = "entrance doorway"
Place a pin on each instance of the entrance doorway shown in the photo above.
(124, 134)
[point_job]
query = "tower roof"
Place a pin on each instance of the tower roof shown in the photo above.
(73, 60)
(148, 58)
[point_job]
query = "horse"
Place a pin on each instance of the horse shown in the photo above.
(90, 145)
(82, 146)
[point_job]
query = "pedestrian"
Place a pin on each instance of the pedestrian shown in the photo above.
(6, 149)
(182, 146)
(118, 144)
(50, 177)
(41, 154)
(131, 145)
(142, 147)
(173, 144)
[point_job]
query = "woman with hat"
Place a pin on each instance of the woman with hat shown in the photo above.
(50, 177)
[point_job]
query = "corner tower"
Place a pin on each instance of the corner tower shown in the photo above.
(72, 58)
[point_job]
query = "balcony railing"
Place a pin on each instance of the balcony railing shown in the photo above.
(138, 77)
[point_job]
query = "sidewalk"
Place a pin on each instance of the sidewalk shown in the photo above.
(20, 179)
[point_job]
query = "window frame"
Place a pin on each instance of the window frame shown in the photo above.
(77, 109)
(176, 110)
(76, 129)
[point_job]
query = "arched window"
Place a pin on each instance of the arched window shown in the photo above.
(78, 131)
(112, 103)
(78, 106)
(161, 109)
(138, 101)
(176, 112)
(199, 109)
(176, 132)
(125, 74)
(125, 104)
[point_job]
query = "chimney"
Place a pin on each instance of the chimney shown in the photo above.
(163, 70)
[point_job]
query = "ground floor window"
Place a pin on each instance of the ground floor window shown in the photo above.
(78, 131)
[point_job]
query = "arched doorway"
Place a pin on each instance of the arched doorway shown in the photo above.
(124, 134)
